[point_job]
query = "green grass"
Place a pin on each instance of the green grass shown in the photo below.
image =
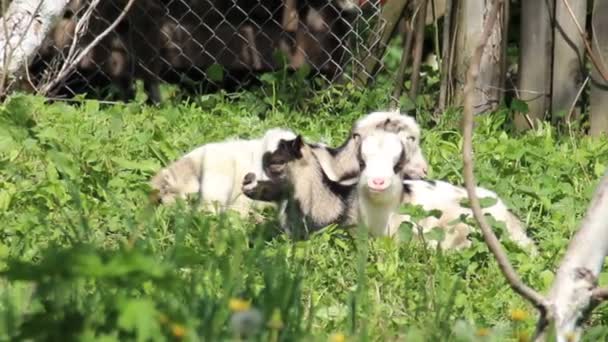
(85, 256)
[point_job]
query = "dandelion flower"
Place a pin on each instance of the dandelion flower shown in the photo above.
(518, 315)
(246, 322)
(523, 337)
(337, 337)
(275, 322)
(178, 330)
(237, 305)
(481, 332)
(163, 319)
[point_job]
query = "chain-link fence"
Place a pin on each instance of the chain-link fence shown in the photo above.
(206, 45)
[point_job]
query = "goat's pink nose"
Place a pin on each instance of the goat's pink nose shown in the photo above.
(378, 181)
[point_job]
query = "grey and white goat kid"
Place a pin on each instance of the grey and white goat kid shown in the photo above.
(381, 191)
(408, 131)
(341, 163)
(216, 170)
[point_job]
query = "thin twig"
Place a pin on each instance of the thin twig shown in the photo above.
(28, 77)
(81, 26)
(492, 242)
(596, 63)
(67, 69)
(578, 95)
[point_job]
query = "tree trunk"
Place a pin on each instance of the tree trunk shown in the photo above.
(471, 18)
(568, 57)
(26, 24)
(419, 29)
(599, 87)
(536, 53)
(445, 56)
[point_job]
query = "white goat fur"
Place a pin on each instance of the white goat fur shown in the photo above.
(407, 129)
(216, 172)
(344, 163)
(379, 210)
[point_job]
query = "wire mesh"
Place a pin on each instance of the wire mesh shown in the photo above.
(206, 45)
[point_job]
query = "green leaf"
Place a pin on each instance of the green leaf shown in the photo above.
(599, 169)
(149, 165)
(64, 163)
(519, 106)
(406, 232)
(484, 202)
(140, 316)
(436, 234)
(303, 71)
(215, 73)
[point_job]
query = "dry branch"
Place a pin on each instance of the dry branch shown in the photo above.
(574, 291)
(69, 66)
(601, 68)
(493, 244)
(574, 287)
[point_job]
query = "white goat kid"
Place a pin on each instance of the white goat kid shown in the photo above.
(216, 172)
(381, 191)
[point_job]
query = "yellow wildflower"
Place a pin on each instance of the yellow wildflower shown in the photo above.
(518, 315)
(178, 330)
(337, 337)
(275, 321)
(239, 305)
(481, 332)
(522, 336)
(163, 319)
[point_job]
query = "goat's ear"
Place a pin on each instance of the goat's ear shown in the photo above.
(295, 147)
(298, 142)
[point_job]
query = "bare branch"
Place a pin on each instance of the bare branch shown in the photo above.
(578, 95)
(601, 68)
(575, 282)
(493, 244)
(81, 27)
(69, 68)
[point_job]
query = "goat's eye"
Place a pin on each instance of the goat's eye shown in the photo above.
(398, 167)
(411, 139)
(361, 164)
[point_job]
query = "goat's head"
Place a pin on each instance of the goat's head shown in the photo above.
(381, 158)
(406, 128)
(289, 152)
